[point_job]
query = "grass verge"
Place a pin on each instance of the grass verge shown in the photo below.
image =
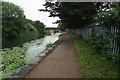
(91, 63)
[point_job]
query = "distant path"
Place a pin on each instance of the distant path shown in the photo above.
(62, 63)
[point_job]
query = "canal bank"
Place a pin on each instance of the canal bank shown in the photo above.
(30, 62)
(61, 63)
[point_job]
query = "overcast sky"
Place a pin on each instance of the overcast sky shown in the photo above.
(31, 7)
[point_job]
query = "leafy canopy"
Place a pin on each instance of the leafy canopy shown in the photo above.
(40, 27)
(13, 20)
(72, 15)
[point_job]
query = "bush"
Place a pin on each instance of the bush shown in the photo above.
(13, 20)
(40, 27)
(30, 27)
(103, 47)
(108, 20)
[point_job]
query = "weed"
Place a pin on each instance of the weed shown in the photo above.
(92, 64)
(47, 53)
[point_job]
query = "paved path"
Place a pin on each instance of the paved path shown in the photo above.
(62, 63)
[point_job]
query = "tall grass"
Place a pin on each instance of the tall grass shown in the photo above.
(92, 64)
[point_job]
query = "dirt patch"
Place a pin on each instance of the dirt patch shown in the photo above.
(61, 63)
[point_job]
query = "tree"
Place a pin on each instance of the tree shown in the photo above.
(61, 26)
(40, 27)
(13, 20)
(72, 15)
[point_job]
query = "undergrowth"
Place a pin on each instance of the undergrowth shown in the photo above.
(92, 64)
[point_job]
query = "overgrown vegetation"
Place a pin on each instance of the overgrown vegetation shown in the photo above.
(105, 45)
(12, 60)
(16, 29)
(110, 16)
(78, 15)
(40, 27)
(16, 57)
(13, 20)
(92, 64)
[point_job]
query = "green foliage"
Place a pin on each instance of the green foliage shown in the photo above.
(30, 27)
(49, 45)
(61, 26)
(24, 37)
(47, 53)
(116, 37)
(29, 33)
(13, 20)
(92, 64)
(73, 15)
(15, 26)
(12, 60)
(109, 17)
(40, 27)
(46, 32)
(101, 46)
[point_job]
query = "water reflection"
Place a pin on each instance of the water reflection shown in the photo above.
(39, 45)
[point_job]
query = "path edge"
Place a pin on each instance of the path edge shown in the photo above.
(21, 72)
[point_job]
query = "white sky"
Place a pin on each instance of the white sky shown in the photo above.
(31, 7)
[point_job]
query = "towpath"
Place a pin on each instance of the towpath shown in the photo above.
(61, 63)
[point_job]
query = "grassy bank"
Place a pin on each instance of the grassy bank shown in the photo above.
(92, 64)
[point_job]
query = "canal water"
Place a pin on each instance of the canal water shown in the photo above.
(37, 46)
(20, 55)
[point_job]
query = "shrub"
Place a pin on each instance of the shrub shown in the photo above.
(40, 27)
(13, 20)
(30, 27)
